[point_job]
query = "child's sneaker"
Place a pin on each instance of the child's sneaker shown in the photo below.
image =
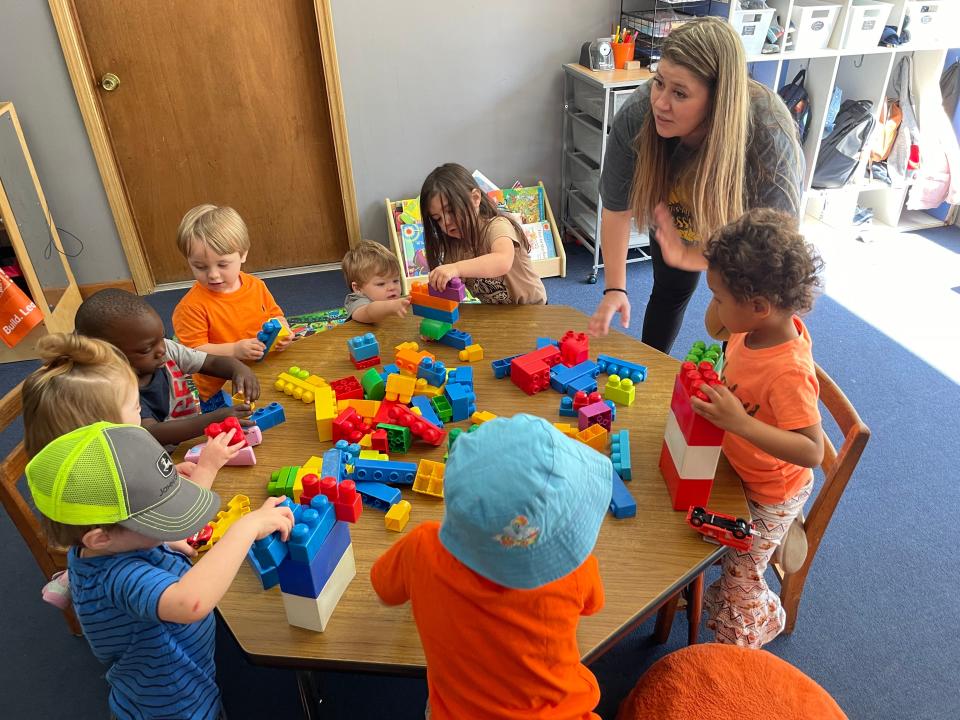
(57, 591)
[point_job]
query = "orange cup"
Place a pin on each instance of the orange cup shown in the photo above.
(621, 53)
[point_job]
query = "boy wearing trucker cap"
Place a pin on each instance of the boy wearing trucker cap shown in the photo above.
(498, 588)
(112, 494)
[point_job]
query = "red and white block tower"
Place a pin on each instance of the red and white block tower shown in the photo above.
(691, 443)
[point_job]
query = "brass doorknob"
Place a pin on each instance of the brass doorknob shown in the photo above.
(109, 82)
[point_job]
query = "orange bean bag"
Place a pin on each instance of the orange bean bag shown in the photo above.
(713, 681)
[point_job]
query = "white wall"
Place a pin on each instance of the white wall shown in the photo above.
(435, 81)
(33, 75)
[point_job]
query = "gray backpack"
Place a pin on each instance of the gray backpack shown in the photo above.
(840, 150)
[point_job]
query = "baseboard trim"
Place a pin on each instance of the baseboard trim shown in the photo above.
(88, 290)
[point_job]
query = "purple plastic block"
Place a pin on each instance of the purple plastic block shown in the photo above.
(594, 414)
(454, 291)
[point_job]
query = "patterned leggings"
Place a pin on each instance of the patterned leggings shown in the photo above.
(741, 607)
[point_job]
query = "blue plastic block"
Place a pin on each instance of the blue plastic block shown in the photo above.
(296, 508)
(334, 464)
(585, 383)
(457, 339)
(545, 342)
(434, 314)
(363, 347)
(377, 495)
(622, 504)
(566, 407)
(384, 471)
(620, 453)
(268, 335)
(309, 533)
(622, 368)
(268, 416)
(462, 375)
(351, 449)
(561, 375)
(434, 372)
(426, 409)
(270, 551)
(613, 411)
(215, 402)
(268, 575)
(501, 367)
(391, 369)
(308, 579)
(463, 401)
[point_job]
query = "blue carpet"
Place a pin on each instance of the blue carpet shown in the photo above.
(879, 618)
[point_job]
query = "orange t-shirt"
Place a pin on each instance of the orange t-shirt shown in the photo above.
(777, 385)
(493, 652)
(203, 316)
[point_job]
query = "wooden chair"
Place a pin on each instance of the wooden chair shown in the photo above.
(50, 558)
(837, 468)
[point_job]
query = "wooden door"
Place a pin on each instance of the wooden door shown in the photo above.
(220, 101)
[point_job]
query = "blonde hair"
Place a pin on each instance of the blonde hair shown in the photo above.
(82, 381)
(219, 228)
(714, 182)
(367, 260)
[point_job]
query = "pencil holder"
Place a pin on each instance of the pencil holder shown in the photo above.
(621, 53)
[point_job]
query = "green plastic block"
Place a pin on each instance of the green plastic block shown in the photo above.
(399, 437)
(442, 407)
(434, 329)
(282, 480)
(374, 388)
(452, 436)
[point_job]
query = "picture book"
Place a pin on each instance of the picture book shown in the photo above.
(541, 240)
(526, 202)
(414, 255)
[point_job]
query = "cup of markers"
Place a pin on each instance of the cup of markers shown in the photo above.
(623, 47)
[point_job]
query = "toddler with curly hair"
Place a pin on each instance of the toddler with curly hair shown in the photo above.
(762, 273)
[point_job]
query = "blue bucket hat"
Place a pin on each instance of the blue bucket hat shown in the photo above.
(523, 502)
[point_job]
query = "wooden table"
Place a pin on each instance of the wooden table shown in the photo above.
(643, 560)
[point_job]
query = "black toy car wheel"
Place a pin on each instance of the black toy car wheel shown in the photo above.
(696, 517)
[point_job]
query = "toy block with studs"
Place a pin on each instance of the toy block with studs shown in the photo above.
(377, 495)
(442, 407)
(482, 416)
(501, 367)
(400, 388)
(397, 516)
(325, 411)
(380, 441)
(347, 388)
(268, 416)
(363, 347)
(700, 352)
(543, 342)
(445, 316)
(566, 407)
(399, 438)
(343, 495)
(563, 376)
(696, 429)
(434, 330)
(595, 414)
(429, 479)
(567, 429)
(457, 339)
(349, 426)
(385, 471)
(238, 506)
(594, 436)
(574, 348)
(314, 524)
(307, 578)
(367, 409)
(299, 384)
(421, 428)
(368, 363)
(463, 401)
(462, 375)
(471, 353)
(620, 454)
(615, 366)
(454, 290)
(409, 360)
(622, 504)
(270, 332)
(374, 386)
(433, 371)
(422, 402)
(420, 296)
(620, 390)
(581, 399)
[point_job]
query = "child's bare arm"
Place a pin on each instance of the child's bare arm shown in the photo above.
(194, 596)
(176, 431)
(378, 310)
(803, 447)
(243, 378)
(495, 263)
(250, 349)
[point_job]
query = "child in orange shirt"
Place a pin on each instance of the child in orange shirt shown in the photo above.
(226, 308)
(498, 588)
(762, 272)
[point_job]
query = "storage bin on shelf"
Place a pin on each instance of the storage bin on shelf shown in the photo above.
(655, 23)
(588, 99)
(585, 177)
(752, 27)
(586, 136)
(583, 214)
(865, 22)
(814, 21)
(929, 22)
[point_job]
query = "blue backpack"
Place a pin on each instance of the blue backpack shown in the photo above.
(795, 97)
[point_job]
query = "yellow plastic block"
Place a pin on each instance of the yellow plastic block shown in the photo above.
(429, 478)
(305, 390)
(472, 353)
(400, 388)
(326, 412)
(407, 346)
(366, 441)
(594, 436)
(430, 391)
(482, 416)
(397, 516)
(408, 360)
(236, 509)
(239, 399)
(310, 467)
(373, 455)
(567, 429)
(622, 392)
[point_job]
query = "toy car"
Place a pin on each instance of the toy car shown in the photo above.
(725, 529)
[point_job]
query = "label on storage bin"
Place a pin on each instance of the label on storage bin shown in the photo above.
(868, 25)
(748, 30)
(926, 19)
(817, 26)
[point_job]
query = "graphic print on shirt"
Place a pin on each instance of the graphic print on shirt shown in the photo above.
(683, 219)
(751, 411)
(492, 291)
(182, 401)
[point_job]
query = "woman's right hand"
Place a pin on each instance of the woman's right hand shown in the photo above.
(611, 304)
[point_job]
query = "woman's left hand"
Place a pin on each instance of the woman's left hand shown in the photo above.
(441, 275)
(676, 253)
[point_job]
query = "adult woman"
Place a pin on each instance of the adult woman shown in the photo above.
(691, 151)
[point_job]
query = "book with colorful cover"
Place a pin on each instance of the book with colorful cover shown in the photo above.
(541, 240)
(526, 202)
(414, 253)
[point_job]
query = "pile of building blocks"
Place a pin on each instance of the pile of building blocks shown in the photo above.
(700, 352)
(313, 567)
(691, 443)
(270, 332)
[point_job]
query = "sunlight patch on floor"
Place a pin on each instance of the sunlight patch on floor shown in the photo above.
(900, 283)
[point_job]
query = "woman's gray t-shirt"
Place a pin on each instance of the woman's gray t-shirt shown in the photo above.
(774, 164)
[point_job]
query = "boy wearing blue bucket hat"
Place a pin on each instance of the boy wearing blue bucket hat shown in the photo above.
(498, 588)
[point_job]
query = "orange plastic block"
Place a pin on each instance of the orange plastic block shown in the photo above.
(471, 353)
(299, 384)
(429, 478)
(367, 409)
(409, 360)
(482, 416)
(397, 516)
(420, 295)
(567, 429)
(594, 436)
(326, 412)
(236, 509)
(400, 388)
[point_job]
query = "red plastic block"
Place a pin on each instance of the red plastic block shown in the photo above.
(696, 430)
(683, 492)
(597, 413)
(574, 348)
(422, 428)
(380, 441)
(349, 426)
(347, 388)
(311, 488)
(344, 496)
(582, 399)
(369, 362)
(550, 354)
(228, 424)
(531, 376)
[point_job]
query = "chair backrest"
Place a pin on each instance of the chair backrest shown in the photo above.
(837, 466)
(49, 558)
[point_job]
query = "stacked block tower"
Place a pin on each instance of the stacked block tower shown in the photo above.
(691, 443)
